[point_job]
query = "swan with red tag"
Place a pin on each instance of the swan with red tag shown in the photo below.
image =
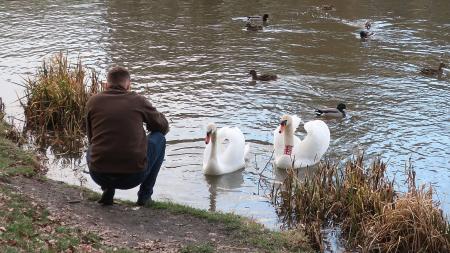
(290, 151)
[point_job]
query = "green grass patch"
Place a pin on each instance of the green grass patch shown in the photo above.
(27, 227)
(13, 160)
(231, 221)
(243, 230)
(198, 248)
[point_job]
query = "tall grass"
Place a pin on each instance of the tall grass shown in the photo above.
(2, 109)
(55, 101)
(361, 200)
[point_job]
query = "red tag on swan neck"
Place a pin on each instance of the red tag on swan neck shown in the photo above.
(288, 149)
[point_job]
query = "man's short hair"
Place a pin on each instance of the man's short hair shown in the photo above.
(117, 77)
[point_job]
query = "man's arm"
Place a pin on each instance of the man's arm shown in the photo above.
(88, 123)
(154, 120)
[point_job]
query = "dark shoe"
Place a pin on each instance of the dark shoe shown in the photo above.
(107, 198)
(144, 202)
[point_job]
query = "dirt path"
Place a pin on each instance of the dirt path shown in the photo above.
(145, 229)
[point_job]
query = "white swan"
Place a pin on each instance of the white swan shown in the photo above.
(290, 150)
(225, 150)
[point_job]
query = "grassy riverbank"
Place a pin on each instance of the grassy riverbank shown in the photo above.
(29, 225)
(26, 225)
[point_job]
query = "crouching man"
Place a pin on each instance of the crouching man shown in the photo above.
(120, 154)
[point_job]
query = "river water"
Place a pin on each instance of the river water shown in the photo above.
(192, 58)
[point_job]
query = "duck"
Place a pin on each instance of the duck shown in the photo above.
(263, 77)
(433, 72)
(225, 150)
(337, 112)
(253, 27)
(368, 25)
(365, 34)
(327, 7)
(264, 18)
(290, 151)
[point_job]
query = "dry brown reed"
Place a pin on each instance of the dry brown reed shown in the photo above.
(2, 109)
(55, 100)
(413, 223)
(361, 200)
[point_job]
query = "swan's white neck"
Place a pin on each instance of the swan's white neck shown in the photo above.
(288, 140)
(213, 166)
(213, 155)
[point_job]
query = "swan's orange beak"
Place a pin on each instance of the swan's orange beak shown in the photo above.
(207, 138)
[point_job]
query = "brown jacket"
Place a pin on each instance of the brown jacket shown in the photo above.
(117, 139)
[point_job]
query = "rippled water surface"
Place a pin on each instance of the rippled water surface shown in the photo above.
(191, 59)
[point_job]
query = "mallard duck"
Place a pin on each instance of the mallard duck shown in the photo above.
(365, 34)
(327, 7)
(432, 72)
(263, 77)
(264, 18)
(253, 27)
(337, 112)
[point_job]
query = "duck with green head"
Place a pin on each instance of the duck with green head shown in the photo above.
(336, 113)
(365, 34)
(264, 19)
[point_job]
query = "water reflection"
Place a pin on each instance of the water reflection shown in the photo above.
(224, 183)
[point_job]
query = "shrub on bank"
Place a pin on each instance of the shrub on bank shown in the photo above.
(361, 200)
(55, 100)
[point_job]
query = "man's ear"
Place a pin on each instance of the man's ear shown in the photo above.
(105, 85)
(128, 85)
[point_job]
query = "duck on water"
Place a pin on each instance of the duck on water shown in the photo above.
(433, 72)
(263, 77)
(264, 19)
(336, 113)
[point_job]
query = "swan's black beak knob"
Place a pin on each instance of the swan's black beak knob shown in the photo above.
(282, 126)
(207, 138)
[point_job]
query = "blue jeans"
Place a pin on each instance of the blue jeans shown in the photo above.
(156, 147)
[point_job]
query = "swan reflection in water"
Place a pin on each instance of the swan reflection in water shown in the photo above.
(222, 184)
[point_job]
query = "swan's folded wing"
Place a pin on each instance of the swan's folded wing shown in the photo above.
(318, 128)
(225, 136)
(247, 152)
(231, 153)
(230, 133)
(314, 145)
(295, 121)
